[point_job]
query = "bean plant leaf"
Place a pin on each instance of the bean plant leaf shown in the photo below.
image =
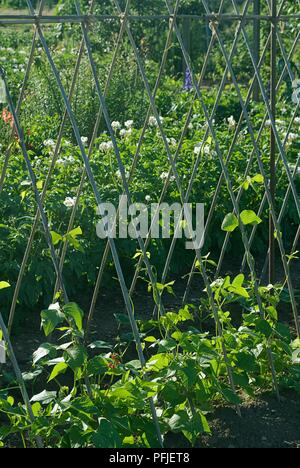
(74, 311)
(230, 223)
(238, 280)
(44, 397)
(230, 396)
(106, 435)
(250, 217)
(44, 350)
(258, 178)
(158, 362)
(60, 368)
(56, 238)
(264, 327)
(50, 319)
(75, 357)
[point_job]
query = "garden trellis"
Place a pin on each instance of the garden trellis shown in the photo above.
(268, 14)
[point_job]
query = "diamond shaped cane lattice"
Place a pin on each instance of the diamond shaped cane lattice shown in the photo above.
(276, 14)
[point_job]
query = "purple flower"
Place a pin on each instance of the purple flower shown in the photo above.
(188, 84)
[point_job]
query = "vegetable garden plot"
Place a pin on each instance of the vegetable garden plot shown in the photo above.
(218, 127)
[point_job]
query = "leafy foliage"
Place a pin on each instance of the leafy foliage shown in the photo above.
(96, 397)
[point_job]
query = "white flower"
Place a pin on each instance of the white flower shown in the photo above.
(129, 124)
(293, 169)
(49, 143)
(116, 125)
(293, 136)
(190, 126)
(231, 122)
(206, 149)
(164, 175)
(84, 140)
(297, 120)
(66, 161)
(172, 141)
(277, 122)
(147, 198)
(70, 202)
(119, 175)
(125, 132)
(105, 146)
(197, 149)
(54, 306)
(70, 159)
(153, 122)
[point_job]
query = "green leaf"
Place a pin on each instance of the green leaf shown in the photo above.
(230, 396)
(122, 394)
(73, 310)
(246, 361)
(150, 339)
(75, 357)
(264, 327)
(56, 238)
(44, 397)
(272, 312)
(238, 280)
(184, 314)
(106, 435)
(177, 422)
(36, 409)
(167, 345)
(99, 345)
(29, 376)
(239, 291)
(134, 365)
(250, 217)
(39, 184)
(4, 285)
(258, 178)
(173, 393)
(43, 351)
(57, 370)
(284, 331)
(158, 362)
(230, 223)
(296, 357)
(97, 366)
(191, 427)
(50, 319)
(75, 232)
(122, 319)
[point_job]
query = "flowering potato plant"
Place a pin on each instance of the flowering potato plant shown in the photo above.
(146, 184)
